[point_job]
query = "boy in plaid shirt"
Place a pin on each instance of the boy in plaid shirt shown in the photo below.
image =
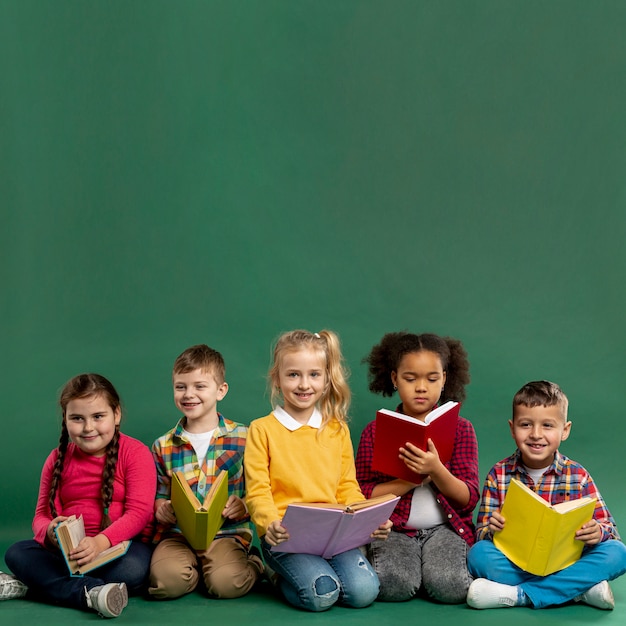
(538, 426)
(201, 445)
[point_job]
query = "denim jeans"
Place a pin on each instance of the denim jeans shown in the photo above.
(604, 561)
(435, 559)
(45, 573)
(315, 584)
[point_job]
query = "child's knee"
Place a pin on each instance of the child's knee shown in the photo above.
(170, 579)
(479, 557)
(324, 593)
(231, 580)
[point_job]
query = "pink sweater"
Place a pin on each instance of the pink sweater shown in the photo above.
(131, 510)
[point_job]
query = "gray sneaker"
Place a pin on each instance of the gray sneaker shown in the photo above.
(11, 587)
(107, 600)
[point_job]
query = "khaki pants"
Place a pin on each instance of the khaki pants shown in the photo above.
(227, 568)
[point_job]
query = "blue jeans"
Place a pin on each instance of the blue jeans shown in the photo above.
(604, 561)
(315, 584)
(45, 573)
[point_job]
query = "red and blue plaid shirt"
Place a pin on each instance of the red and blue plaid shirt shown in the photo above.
(463, 465)
(173, 452)
(564, 480)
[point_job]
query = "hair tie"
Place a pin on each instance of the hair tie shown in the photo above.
(106, 510)
(316, 335)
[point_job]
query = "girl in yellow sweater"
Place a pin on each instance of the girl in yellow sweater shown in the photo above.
(302, 452)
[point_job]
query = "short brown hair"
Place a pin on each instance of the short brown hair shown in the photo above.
(541, 393)
(201, 357)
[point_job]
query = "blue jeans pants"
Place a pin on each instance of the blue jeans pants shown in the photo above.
(604, 561)
(45, 573)
(312, 583)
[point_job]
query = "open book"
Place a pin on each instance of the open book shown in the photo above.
(393, 430)
(538, 536)
(69, 534)
(199, 521)
(329, 529)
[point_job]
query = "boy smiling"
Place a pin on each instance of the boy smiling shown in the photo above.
(202, 444)
(539, 425)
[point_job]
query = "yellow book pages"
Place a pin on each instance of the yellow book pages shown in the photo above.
(539, 537)
(199, 522)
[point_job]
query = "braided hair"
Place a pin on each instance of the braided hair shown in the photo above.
(84, 386)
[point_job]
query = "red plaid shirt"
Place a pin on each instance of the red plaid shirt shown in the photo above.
(463, 465)
(564, 480)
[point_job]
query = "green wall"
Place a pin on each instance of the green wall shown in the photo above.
(175, 173)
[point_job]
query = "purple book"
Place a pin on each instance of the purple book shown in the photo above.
(329, 529)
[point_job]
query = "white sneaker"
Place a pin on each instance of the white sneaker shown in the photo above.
(599, 595)
(108, 600)
(487, 594)
(11, 588)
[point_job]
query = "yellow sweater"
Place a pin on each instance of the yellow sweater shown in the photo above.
(284, 466)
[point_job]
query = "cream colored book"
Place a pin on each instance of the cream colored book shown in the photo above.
(70, 533)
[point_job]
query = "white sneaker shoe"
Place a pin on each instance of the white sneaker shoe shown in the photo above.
(487, 594)
(11, 588)
(599, 595)
(107, 600)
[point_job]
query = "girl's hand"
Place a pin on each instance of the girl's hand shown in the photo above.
(382, 532)
(421, 461)
(164, 512)
(89, 548)
(50, 534)
(496, 522)
(276, 533)
(590, 533)
(235, 508)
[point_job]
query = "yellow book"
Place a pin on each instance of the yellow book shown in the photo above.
(537, 536)
(69, 534)
(199, 521)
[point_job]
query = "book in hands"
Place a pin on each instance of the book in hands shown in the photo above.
(329, 529)
(394, 430)
(199, 521)
(537, 536)
(70, 533)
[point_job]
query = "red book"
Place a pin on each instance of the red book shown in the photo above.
(393, 430)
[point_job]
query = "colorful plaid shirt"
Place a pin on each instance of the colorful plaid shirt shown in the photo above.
(564, 480)
(173, 452)
(463, 465)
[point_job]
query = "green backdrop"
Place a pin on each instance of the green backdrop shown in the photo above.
(219, 172)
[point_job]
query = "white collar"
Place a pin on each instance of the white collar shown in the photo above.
(315, 421)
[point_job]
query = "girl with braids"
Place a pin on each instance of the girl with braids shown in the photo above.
(432, 522)
(109, 479)
(302, 452)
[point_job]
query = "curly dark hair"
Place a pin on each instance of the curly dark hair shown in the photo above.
(385, 358)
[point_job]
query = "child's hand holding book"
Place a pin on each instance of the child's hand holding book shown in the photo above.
(496, 522)
(164, 512)
(51, 536)
(276, 533)
(590, 533)
(235, 508)
(424, 462)
(89, 548)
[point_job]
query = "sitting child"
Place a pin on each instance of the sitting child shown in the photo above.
(538, 426)
(201, 445)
